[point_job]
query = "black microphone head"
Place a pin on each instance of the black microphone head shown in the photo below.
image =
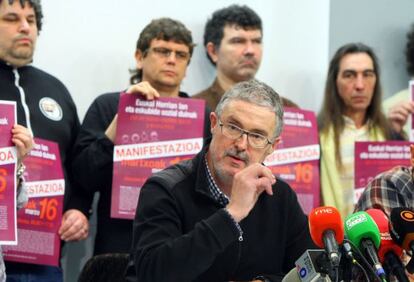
(402, 227)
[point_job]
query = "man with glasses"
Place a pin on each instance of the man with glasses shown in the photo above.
(222, 216)
(163, 52)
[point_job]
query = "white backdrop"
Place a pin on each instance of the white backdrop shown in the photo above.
(90, 44)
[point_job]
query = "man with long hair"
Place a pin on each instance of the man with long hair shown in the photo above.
(351, 111)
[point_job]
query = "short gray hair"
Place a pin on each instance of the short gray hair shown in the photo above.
(258, 93)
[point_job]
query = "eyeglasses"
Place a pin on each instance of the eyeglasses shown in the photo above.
(234, 132)
(166, 53)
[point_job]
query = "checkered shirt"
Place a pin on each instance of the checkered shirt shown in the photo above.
(390, 189)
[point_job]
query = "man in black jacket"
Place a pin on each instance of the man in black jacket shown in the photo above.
(45, 107)
(163, 52)
(222, 216)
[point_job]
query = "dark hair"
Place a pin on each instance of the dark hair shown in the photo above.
(241, 16)
(37, 7)
(409, 51)
(164, 29)
(333, 107)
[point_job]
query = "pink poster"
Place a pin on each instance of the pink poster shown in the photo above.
(296, 159)
(39, 221)
(411, 91)
(8, 161)
(151, 135)
(372, 158)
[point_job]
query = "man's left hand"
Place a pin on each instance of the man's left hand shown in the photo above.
(75, 226)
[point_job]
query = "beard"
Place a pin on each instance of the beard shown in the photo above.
(24, 53)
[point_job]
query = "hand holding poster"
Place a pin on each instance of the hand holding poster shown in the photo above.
(373, 158)
(39, 221)
(296, 159)
(151, 135)
(8, 161)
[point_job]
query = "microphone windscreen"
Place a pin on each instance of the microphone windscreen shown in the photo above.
(380, 219)
(359, 226)
(322, 219)
(402, 226)
(387, 244)
(292, 276)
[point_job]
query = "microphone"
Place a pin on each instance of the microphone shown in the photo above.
(402, 231)
(389, 252)
(327, 231)
(363, 232)
(312, 266)
(291, 276)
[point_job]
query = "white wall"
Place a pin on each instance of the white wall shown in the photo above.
(90, 44)
(381, 24)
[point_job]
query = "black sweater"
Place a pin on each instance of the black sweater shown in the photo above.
(182, 234)
(55, 121)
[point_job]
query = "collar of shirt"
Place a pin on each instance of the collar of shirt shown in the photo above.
(350, 124)
(213, 188)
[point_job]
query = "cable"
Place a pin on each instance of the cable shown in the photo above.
(361, 268)
(369, 266)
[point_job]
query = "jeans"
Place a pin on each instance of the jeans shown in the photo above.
(20, 272)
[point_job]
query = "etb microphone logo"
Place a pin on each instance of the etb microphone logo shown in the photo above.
(303, 272)
(407, 215)
(305, 267)
(354, 220)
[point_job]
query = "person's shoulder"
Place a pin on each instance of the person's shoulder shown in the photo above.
(214, 87)
(171, 176)
(394, 178)
(398, 173)
(183, 94)
(110, 98)
(41, 74)
(202, 94)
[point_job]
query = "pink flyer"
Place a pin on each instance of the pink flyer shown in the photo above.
(411, 91)
(39, 221)
(8, 162)
(151, 135)
(372, 158)
(296, 159)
